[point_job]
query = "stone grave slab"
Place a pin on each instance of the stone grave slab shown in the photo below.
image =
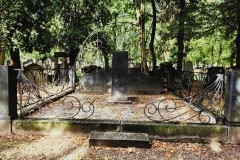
(119, 139)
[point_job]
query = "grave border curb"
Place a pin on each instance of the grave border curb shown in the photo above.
(156, 130)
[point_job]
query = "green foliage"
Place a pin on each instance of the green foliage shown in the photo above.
(44, 26)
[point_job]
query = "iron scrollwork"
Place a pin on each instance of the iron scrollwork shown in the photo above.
(204, 106)
(36, 97)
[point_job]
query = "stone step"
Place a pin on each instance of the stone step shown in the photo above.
(119, 139)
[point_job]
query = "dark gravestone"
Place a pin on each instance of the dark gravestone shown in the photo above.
(232, 98)
(142, 83)
(119, 76)
(94, 81)
(60, 76)
(167, 73)
(212, 73)
(8, 94)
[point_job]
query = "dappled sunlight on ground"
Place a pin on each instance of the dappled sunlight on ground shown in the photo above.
(97, 106)
(215, 146)
(76, 147)
(44, 147)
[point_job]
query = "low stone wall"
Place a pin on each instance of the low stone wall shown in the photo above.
(155, 130)
(178, 131)
(61, 127)
(101, 81)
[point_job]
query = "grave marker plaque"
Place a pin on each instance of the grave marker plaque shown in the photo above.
(120, 76)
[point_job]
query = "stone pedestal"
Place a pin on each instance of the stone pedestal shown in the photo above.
(120, 76)
(232, 107)
(232, 98)
(8, 93)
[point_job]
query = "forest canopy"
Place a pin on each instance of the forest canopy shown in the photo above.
(206, 32)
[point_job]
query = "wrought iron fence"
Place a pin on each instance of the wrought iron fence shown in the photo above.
(40, 87)
(200, 97)
(191, 83)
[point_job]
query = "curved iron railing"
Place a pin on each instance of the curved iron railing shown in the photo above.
(38, 88)
(205, 105)
(191, 83)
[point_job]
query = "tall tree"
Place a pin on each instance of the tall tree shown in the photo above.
(28, 25)
(230, 24)
(140, 15)
(151, 45)
(238, 34)
(180, 35)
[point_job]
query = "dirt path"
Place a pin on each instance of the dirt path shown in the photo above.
(76, 147)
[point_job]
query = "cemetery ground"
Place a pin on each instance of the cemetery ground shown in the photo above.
(97, 106)
(29, 146)
(76, 147)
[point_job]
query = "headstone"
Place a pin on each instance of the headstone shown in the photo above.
(8, 94)
(167, 73)
(34, 73)
(213, 71)
(119, 76)
(93, 79)
(212, 74)
(71, 76)
(142, 83)
(188, 67)
(60, 68)
(188, 74)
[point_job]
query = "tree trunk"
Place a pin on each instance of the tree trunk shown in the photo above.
(180, 36)
(2, 52)
(114, 30)
(144, 66)
(212, 56)
(15, 58)
(151, 45)
(106, 61)
(140, 15)
(238, 35)
(219, 54)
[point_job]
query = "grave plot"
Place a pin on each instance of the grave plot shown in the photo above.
(160, 107)
(204, 106)
(97, 107)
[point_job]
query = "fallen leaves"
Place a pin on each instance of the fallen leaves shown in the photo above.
(71, 146)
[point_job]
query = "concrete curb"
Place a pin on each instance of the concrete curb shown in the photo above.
(61, 127)
(155, 130)
(178, 131)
